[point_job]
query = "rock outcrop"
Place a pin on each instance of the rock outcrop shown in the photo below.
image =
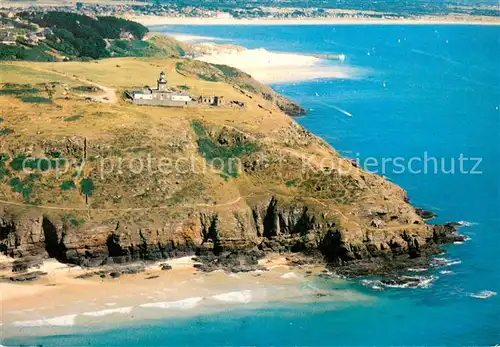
(271, 226)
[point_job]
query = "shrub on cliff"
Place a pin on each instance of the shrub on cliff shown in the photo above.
(87, 186)
(221, 155)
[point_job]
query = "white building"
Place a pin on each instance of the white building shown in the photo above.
(161, 96)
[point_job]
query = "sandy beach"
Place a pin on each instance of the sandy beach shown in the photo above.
(278, 67)
(464, 20)
(59, 302)
(267, 66)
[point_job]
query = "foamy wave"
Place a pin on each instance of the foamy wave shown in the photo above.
(423, 269)
(68, 320)
(243, 296)
(446, 272)
(411, 282)
(372, 284)
(289, 275)
(108, 312)
(466, 224)
(442, 262)
(184, 304)
(484, 294)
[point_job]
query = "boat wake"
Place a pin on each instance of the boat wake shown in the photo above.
(349, 114)
(342, 111)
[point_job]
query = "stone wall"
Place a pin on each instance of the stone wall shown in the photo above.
(169, 103)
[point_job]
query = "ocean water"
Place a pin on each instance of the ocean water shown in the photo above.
(424, 89)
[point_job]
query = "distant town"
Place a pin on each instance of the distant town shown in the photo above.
(19, 28)
(266, 9)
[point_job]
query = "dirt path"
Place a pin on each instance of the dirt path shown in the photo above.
(129, 209)
(109, 95)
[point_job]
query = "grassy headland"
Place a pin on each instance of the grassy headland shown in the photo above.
(89, 178)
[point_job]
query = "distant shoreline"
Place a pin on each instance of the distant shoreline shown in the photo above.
(454, 20)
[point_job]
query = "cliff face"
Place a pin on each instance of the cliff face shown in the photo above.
(219, 237)
(248, 182)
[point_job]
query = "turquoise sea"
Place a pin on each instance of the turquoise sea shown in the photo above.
(431, 89)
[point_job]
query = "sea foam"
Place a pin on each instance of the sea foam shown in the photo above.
(423, 269)
(484, 294)
(411, 282)
(446, 272)
(289, 275)
(68, 320)
(243, 296)
(442, 262)
(466, 224)
(108, 312)
(184, 304)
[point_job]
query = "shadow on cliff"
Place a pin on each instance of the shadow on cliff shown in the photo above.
(55, 248)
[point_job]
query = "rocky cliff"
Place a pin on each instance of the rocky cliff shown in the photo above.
(241, 183)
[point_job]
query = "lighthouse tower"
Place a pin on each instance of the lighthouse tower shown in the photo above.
(162, 83)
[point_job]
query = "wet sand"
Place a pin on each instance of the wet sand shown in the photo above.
(61, 303)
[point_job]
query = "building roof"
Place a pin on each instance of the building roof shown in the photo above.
(6, 36)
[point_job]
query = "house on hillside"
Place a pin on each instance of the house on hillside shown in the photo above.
(36, 37)
(211, 100)
(7, 38)
(125, 35)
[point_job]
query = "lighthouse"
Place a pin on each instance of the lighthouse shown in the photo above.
(162, 83)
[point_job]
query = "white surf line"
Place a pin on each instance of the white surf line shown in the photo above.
(68, 320)
(108, 311)
(243, 296)
(183, 304)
